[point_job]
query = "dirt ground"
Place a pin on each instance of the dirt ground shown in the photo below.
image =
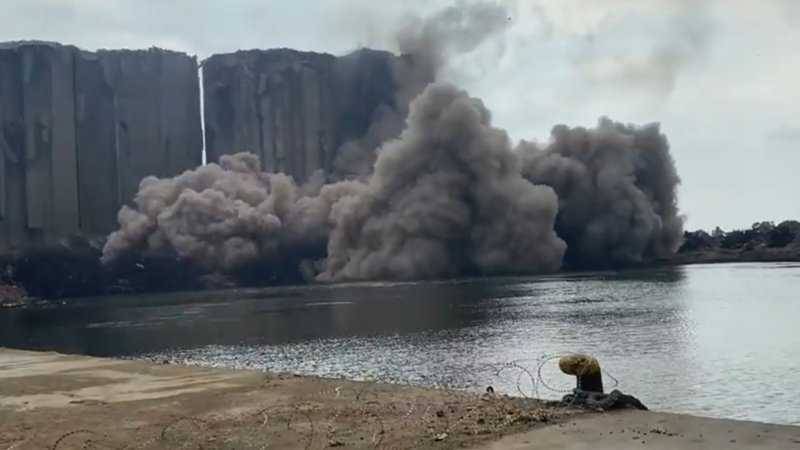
(640, 430)
(52, 401)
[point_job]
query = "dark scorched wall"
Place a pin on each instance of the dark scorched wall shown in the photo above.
(79, 130)
(293, 109)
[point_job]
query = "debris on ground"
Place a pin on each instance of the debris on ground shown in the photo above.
(602, 402)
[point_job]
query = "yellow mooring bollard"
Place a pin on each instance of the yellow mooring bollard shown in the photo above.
(586, 369)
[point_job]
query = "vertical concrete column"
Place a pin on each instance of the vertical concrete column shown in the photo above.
(13, 220)
(79, 130)
(96, 141)
(63, 156)
(37, 117)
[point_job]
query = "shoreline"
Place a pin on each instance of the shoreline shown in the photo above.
(730, 257)
(29, 301)
(51, 400)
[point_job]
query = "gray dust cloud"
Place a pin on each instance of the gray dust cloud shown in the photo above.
(616, 187)
(432, 190)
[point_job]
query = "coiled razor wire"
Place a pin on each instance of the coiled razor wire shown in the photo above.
(535, 377)
(298, 416)
(522, 372)
(478, 373)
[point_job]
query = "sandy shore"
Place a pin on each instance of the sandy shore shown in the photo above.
(651, 430)
(48, 400)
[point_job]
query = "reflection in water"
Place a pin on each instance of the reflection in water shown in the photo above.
(714, 340)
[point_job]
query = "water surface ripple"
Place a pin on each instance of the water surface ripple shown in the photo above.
(714, 340)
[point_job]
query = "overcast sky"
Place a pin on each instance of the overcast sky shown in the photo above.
(722, 77)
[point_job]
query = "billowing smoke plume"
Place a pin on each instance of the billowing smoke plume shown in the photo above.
(430, 42)
(446, 198)
(616, 187)
(435, 190)
(225, 216)
(425, 45)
